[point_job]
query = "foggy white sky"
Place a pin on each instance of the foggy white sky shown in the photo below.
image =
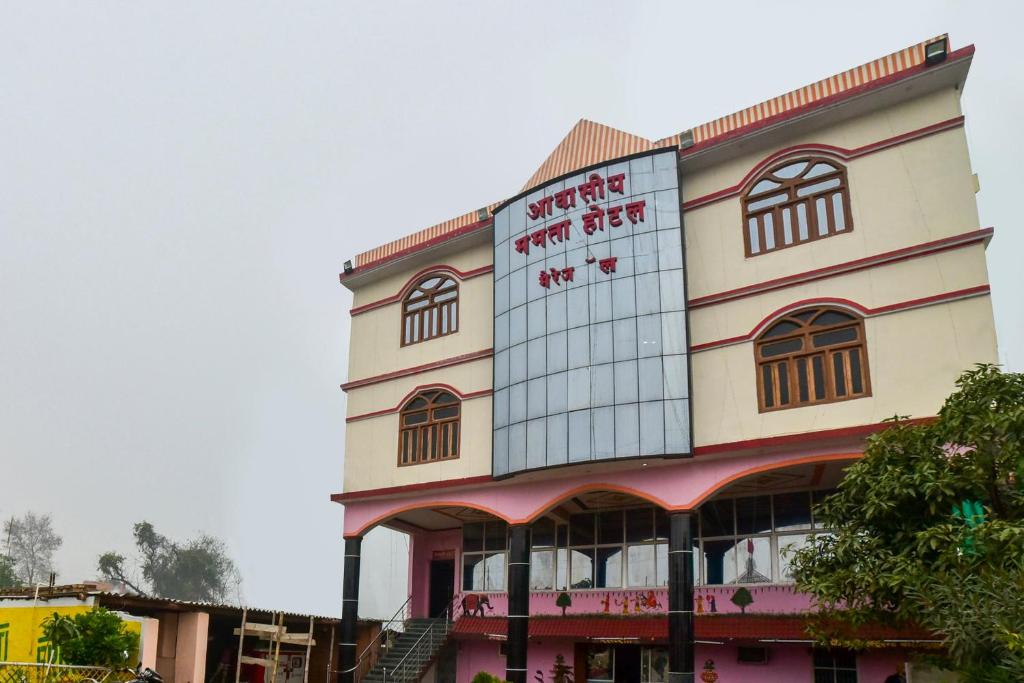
(181, 182)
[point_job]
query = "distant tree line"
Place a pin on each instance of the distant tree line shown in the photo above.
(197, 568)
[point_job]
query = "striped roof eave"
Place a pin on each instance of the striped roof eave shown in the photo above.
(590, 143)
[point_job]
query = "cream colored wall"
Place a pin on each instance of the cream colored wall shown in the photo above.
(894, 283)
(913, 358)
(916, 192)
(371, 444)
(375, 347)
(371, 451)
(909, 194)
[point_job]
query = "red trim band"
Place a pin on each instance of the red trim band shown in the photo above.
(866, 312)
(790, 439)
(711, 449)
(841, 152)
(884, 258)
(411, 282)
(412, 488)
(955, 56)
(422, 387)
(405, 372)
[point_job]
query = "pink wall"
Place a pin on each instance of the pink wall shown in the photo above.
(877, 666)
(786, 663)
(423, 547)
(682, 485)
(636, 601)
(482, 655)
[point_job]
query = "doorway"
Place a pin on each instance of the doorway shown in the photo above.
(442, 587)
(627, 664)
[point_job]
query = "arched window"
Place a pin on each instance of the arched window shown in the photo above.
(815, 355)
(430, 309)
(797, 201)
(429, 428)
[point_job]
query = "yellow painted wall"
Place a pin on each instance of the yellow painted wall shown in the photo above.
(21, 633)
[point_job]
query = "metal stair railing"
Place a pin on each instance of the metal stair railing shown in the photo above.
(384, 630)
(424, 650)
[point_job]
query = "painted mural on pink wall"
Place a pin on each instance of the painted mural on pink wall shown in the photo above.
(638, 601)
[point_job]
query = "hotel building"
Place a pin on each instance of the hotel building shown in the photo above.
(603, 408)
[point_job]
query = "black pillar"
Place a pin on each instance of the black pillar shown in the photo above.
(350, 610)
(680, 599)
(518, 603)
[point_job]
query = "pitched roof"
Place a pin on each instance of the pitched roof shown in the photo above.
(589, 142)
(586, 144)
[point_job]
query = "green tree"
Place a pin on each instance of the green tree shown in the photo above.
(563, 600)
(198, 569)
(901, 548)
(59, 629)
(741, 598)
(560, 671)
(8, 576)
(103, 640)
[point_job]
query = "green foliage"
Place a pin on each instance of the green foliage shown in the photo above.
(560, 671)
(59, 629)
(741, 598)
(563, 600)
(484, 677)
(198, 569)
(103, 640)
(8, 576)
(898, 554)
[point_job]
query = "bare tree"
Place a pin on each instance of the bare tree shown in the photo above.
(31, 543)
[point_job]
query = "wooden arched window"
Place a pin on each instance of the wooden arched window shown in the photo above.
(429, 427)
(797, 201)
(430, 309)
(815, 355)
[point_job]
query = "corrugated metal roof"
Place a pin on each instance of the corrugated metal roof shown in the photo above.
(108, 597)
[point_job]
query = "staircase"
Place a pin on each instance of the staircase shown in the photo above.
(412, 652)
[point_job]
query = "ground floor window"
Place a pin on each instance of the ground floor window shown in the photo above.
(607, 549)
(609, 663)
(744, 540)
(835, 666)
(484, 555)
(751, 539)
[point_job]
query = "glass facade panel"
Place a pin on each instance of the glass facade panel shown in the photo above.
(641, 566)
(594, 321)
(582, 568)
(608, 567)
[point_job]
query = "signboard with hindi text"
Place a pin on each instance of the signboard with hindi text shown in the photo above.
(590, 345)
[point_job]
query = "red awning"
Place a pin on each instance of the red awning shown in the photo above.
(655, 629)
